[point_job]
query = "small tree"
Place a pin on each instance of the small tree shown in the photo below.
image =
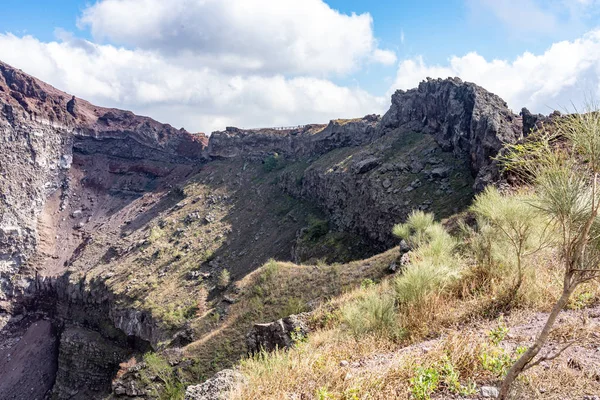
(514, 218)
(224, 279)
(563, 165)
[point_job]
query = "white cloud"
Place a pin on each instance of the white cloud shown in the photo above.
(198, 98)
(385, 57)
(259, 36)
(522, 15)
(547, 18)
(566, 72)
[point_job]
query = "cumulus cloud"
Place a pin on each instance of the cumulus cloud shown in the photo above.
(198, 98)
(566, 72)
(261, 36)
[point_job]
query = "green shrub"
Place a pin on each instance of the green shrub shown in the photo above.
(498, 334)
(224, 279)
(157, 368)
(421, 279)
(451, 379)
(272, 162)
(439, 249)
(294, 306)
(316, 229)
(155, 234)
(375, 312)
(174, 390)
(414, 230)
(582, 300)
(323, 394)
(424, 383)
(367, 283)
(270, 270)
(511, 229)
(428, 379)
(297, 336)
(426, 236)
(496, 360)
(435, 263)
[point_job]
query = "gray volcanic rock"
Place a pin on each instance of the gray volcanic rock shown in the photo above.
(279, 334)
(85, 357)
(367, 189)
(463, 117)
(219, 387)
(532, 122)
(294, 142)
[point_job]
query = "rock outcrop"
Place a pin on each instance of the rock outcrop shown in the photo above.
(533, 122)
(219, 387)
(280, 334)
(463, 118)
(308, 140)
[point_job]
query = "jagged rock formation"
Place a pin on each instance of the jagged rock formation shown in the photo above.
(464, 118)
(533, 122)
(85, 189)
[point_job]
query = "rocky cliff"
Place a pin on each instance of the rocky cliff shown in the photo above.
(432, 150)
(115, 230)
(294, 142)
(462, 117)
(66, 167)
(43, 131)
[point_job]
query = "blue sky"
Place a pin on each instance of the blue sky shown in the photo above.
(232, 64)
(434, 28)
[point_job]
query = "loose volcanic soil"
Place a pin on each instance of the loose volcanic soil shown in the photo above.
(28, 359)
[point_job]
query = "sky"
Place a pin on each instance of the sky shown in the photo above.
(207, 64)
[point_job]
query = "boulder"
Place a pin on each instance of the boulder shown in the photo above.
(366, 165)
(219, 387)
(279, 334)
(440, 172)
(404, 247)
(489, 392)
